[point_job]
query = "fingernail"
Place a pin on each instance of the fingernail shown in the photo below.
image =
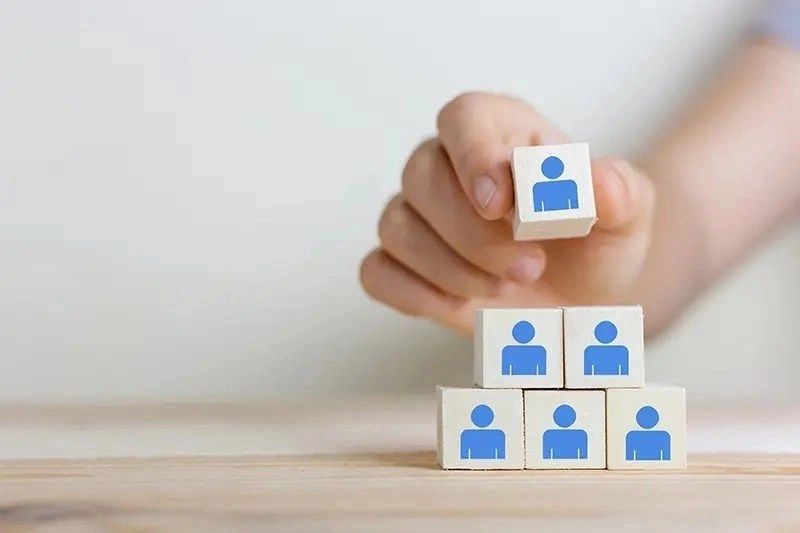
(526, 269)
(485, 189)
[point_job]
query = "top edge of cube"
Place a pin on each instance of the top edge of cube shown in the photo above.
(626, 390)
(562, 308)
(517, 309)
(593, 307)
(647, 386)
(548, 147)
(442, 389)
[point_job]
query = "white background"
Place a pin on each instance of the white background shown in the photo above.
(186, 188)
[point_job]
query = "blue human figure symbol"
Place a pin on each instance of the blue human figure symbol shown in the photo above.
(554, 195)
(483, 443)
(605, 359)
(564, 443)
(519, 360)
(647, 445)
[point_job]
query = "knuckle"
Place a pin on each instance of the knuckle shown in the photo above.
(649, 196)
(394, 225)
(640, 197)
(368, 274)
(476, 251)
(417, 171)
(417, 311)
(622, 166)
(461, 103)
(645, 188)
(479, 160)
(620, 163)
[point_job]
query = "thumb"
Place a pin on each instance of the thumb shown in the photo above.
(478, 132)
(624, 196)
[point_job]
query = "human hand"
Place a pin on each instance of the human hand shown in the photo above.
(446, 240)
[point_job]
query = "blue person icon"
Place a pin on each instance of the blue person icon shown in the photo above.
(605, 359)
(564, 443)
(647, 444)
(483, 443)
(554, 195)
(523, 359)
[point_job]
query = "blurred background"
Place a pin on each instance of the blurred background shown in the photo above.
(187, 188)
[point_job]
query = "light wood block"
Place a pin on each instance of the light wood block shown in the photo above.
(603, 347)
(519, 348)
(480, 429)
(646, 428)
(554, 191)
(565, 429)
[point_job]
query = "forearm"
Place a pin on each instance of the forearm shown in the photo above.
(728, 173)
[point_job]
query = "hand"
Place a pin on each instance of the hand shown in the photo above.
(446, 243)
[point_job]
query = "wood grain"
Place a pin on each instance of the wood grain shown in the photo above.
(369, 489)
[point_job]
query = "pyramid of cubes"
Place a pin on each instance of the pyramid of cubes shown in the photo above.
(561, 388)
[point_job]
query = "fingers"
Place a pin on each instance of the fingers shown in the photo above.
(388, 281)
(624, 196)
(479, 155)
(411, 242)
(431, 188)
(478, 132)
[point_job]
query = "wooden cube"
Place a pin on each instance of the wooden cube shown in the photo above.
(554, 191)
(646, 428)
(565, 429)
(480, 429)
(519, 348)
(603, 347)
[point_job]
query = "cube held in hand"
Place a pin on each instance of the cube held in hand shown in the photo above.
(553, 191)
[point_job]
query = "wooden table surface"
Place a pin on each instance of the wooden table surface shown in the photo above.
(365, 464)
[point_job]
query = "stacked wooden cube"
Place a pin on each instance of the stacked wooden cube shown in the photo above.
(561, 389)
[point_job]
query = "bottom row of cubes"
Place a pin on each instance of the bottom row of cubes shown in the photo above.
(487, 429)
